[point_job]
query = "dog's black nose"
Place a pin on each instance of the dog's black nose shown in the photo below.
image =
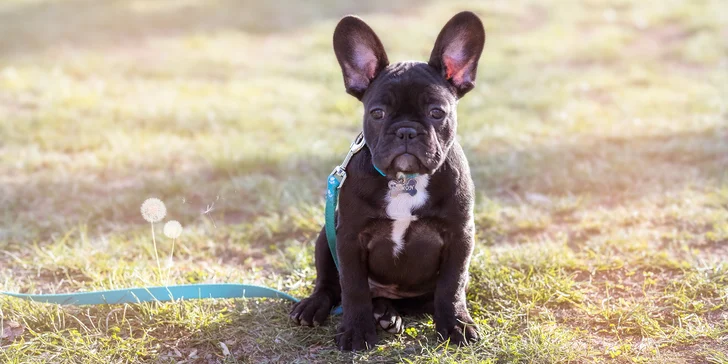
(406, 133)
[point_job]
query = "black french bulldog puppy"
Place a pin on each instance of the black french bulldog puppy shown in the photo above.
(404, 239)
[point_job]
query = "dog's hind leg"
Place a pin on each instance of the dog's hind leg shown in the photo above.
(386, 316)
(314, 310)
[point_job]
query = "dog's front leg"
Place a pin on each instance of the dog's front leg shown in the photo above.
(452, 320)
(314, 310)
(357, 330)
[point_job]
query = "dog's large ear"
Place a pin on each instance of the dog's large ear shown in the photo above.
(457, 51)
(360, 54)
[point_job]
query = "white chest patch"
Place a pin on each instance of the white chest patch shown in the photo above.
(399, 209)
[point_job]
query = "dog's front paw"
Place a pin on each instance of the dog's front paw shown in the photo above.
(312, 311)
(459, 329)
(357, 335)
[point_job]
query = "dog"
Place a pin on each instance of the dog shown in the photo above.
(405, 227)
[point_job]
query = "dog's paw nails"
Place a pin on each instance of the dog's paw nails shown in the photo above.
(459, 331)
(311, 311)
(295, 315)
(471, 334)
(355, 337)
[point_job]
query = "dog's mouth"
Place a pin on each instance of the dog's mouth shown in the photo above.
(406, 163)
(392, 160)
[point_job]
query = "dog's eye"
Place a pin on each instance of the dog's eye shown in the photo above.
(377, 113)
(437, 114)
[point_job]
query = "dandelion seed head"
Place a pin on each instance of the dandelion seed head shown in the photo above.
(153, 210)
(172, 229)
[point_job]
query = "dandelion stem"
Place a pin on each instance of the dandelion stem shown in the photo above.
(171, 257)
(156, 255)
(171, 254)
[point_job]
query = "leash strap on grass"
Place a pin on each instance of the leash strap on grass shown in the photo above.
(183, 292)
(159, 294)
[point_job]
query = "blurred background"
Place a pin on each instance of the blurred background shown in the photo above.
(597, 131)
(104, 102)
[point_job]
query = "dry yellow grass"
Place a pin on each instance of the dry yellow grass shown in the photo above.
(597, 136)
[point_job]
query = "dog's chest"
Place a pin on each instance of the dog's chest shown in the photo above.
(401, 200)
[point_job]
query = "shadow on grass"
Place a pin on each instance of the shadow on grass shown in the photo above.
(37, 26)
(608, 171)
(611, 170)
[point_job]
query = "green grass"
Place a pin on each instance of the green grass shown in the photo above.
(597, 137)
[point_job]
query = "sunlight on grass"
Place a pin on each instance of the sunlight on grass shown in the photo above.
(597, 137)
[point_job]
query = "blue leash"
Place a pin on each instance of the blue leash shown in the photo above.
(161, 294)
(184, 292)
(202, 291)
(335, 181)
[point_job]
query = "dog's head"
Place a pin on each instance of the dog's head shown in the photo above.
(409, 107)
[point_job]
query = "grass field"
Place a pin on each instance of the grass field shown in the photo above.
(597, 137)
